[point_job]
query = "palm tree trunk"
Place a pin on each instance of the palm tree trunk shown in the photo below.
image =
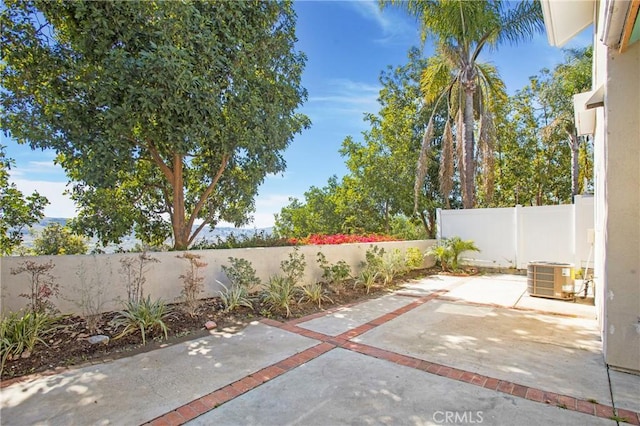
(573, 143)
(468, 162)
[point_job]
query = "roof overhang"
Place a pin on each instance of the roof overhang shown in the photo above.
(565, 19)
(620, 24)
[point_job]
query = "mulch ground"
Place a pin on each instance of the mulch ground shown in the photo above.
(67, 345)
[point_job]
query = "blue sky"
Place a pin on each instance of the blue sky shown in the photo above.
(347, 45)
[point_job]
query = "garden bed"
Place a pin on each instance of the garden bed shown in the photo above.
(67, 344)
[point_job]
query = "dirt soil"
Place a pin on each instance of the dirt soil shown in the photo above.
(67, 344)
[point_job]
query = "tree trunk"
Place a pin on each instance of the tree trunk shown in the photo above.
(178, 222)
(468, 159)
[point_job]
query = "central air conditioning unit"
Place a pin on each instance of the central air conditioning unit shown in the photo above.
(552, 280)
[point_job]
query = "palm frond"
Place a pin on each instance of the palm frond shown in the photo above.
(520, 22)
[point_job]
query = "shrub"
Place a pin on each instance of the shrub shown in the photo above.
(144, 315)
(56, 239)
(43, 285)
(314, 293)
(335, 274)
(257, 239)
(89, 295)
(192, 282)
(294, 267)
(413, 258)
(280, 293)
(392, 265)
(19, 334)
(241, 273)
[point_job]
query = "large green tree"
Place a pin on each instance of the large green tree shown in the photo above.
(156, 108)
(16, 210)
(461, 30)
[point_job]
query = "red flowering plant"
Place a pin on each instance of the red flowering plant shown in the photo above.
(320, 239)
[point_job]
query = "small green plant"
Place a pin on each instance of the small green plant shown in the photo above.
(294, 267)
(393, 264)
(367, 278)
(280, 293)
(459, 246)
(43, 285)
(314, 293)
(334, 275)
(447, 252)
(241, 273)
(234, 296)
(192, 282)
(19, 333)
(413, 258)
(145, 315)
(89, 295)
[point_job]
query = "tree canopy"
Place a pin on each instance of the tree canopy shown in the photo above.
(16, 210)
(461, 30)
(156, 109)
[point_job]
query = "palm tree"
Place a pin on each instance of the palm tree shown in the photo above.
(461, 30)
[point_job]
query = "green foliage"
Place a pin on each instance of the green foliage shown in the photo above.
(280, 293)
(447, 252)
(19, 333)
(16, 210)
(192, 282)
(393, 264)
(56, 239)
(367, 278)
(540, 159)
(241, 273)
(413, 258)
(336, 273)
(293, 268)
(408, 230)
(144, 315)
(155, 108)
(43, 286)
(256, 239)
(470, 89)
(314, 293)
(234, 296)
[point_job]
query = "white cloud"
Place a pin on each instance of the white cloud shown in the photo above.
(60, 205)
(396, 28)
(344, 98)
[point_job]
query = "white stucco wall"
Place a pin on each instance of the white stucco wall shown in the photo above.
(102, 272)
(618, 206)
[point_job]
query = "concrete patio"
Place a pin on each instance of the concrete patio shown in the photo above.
(442, 350)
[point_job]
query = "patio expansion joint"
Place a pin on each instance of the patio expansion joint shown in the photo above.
(327, 343)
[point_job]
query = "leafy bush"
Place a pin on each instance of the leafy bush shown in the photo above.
(144, 315)
(19, 333)
(56, 239)
(43, 285)
(336, 273)
(413, 258)
(392, 264)
(241, 273)
(280, 293)
(257, 239)
(294, 267)
(405, 229)
(314, 293)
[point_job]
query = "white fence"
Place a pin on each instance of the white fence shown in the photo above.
(513, 237)
(101, 276)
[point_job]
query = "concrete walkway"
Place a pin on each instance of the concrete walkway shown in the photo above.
(442, 350)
